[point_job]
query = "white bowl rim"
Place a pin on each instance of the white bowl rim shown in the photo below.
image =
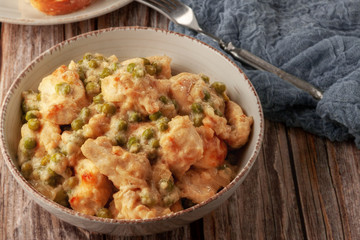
(18, 176)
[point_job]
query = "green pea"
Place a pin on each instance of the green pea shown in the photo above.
(31, 114)
(114, 66)
(38, 97)
(92, 88)
(176, 105)
(93, 64)
(120, 139)
(197, 119)
(45, 160)
(106, 72)
(146, 198)
(154, 143)
(162, 124)
(207, 95)
(150, 69)
(133, 145)
(164, 99)
(81, 72)
(26, 169)
(77, 124)
(122, 125)
(158, 67)
(146, 61)
(81, 61)
(88, 56)
(85, 113)
(130, 67)
(163, 119)
(148, 133)
(134, 116)
(100, 57)
(155, 116)
(219, 87)
(218, 112)
(34, 124)
(98, 98)
(63, 88)
(108, 109)
(225, 97)
(197, 108)
(205, 78)
(29, 143)
(152, 155)
(138, 72)
(132, 140)
(135, 148)
(166, 184)
(104, 213)
(57, 157)
(54, 179)
(62, 198)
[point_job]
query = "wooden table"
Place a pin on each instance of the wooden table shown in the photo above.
(301, 187)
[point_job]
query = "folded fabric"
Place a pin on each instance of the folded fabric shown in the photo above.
(316, 40)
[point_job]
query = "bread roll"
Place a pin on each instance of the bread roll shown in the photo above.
(60, 7)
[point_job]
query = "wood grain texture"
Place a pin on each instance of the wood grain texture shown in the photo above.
(301, 187)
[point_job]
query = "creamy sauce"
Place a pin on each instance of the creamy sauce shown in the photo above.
(128, 140)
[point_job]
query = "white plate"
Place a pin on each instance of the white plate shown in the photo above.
(21, 12)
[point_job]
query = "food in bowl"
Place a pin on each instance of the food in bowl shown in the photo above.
(128, 140)
(60, 7)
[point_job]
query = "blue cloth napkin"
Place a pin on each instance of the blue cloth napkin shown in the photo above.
(316, 40)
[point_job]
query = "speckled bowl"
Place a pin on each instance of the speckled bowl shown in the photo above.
(188, 54)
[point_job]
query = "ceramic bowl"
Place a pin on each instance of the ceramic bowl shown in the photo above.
(188, 55)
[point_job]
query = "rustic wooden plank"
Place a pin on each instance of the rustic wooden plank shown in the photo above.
(330, 202)
(134, 14)
(345, 172)
(323, 172)
(312, 206)
(285, 220)
(74, 29)
(120, 17)
(20, 45)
